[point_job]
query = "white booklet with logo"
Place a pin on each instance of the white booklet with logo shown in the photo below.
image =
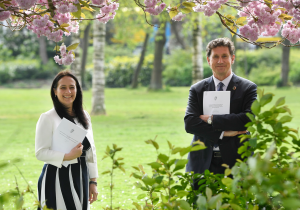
(66, 136)
(216, 102)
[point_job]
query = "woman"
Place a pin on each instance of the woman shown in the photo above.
(61, 187)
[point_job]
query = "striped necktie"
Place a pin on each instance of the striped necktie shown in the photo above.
(220, 88)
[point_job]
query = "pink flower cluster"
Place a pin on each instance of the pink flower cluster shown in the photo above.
(26, 4)
(153, 8)
(262, 20)
(179, 17)
(291, 32)
(210, 7)
(107, 11)
(4, 15)
(67, 58)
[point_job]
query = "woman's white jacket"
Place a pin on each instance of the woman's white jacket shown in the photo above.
(45, 128)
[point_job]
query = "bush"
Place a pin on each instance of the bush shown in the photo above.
(118, 73)
(26, 70)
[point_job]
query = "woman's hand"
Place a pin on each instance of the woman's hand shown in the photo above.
(93, 193)
(74, 153)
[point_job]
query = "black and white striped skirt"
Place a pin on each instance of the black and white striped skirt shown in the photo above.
(65, 188)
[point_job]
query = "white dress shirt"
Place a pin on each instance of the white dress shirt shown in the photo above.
(225, 85)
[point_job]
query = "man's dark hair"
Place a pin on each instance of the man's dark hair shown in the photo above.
(77, 104)
(220, 42)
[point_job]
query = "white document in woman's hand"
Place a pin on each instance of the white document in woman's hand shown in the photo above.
(66, 136)
(216, 102)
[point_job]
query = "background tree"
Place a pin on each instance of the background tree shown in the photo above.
(98, 106)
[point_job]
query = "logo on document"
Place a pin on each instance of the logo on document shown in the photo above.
(72, 130)
(215, 97)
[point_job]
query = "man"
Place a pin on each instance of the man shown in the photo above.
(218, 132)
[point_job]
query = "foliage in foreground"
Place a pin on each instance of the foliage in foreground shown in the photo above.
(267, 180)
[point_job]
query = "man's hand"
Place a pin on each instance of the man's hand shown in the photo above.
(205, 117)
(93, 192)
(233, 133)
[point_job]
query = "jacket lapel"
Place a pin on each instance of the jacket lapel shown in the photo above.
(233, 85)
(210, 84)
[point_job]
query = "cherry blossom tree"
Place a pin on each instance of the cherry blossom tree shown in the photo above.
(57, 18)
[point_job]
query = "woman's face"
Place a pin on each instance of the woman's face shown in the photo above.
(66, 91)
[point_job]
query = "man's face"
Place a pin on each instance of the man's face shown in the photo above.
(220, 62)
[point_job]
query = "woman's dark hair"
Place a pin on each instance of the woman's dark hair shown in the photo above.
(77, 104)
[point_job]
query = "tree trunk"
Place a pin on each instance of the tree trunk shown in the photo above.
(174, 28)
(285, 64)
(156, 75)
(135, 75)
(43, 49)
(75, 66)
(85, 45)
(98, 107)
(197, 74)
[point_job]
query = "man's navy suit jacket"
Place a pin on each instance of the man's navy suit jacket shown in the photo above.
(243, 94)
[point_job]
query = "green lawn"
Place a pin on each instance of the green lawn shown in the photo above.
(133, 116)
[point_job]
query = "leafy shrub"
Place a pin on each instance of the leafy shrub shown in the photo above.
(26, 70)
(118, 73)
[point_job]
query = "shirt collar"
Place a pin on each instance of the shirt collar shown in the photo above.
(225, 81)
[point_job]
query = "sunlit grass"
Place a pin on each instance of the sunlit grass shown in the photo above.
(133, 116)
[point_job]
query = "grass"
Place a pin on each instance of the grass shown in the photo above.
(133, 116)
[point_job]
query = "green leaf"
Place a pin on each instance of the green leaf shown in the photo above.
(170, 145)
(173, 13)
(136, 168)
(182, 193)
(198, 147)
(201, 203)
(208, 193)
(255, 107)
(241, 21)
(186, 10)
(155, 201)
(251, 129)
(227, 172)
(285, 119)
(253, 142)
(213, 201)
(72, 46)
(64, 25)
(84, 3)
(235, 206)
(266, 99)
(137, 206)
(184, 205)
(141, 196)
(260, 93)
(188, 4)
(227, 181)
(177, 149)
(56, 48)
(154, 165)
(136, 176)
(163, 158)
(148, 181)
(106, 172)
(280, 102)
(180, 164)
(77, 14)
(159, 179)
(185, 150)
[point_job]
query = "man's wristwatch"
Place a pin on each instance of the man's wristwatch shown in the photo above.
(209, 121)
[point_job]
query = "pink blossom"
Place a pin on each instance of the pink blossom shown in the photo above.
(250, 32)
(114, 6)
(179, 17)
(106, 10)
(213, 5)
(63, 9)
(63, 50)
(26, 4)
(208, 11)
(199, 8)
(72, 8)
(68, 59)
(58, 60)
(4, 15)
(98, 2)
